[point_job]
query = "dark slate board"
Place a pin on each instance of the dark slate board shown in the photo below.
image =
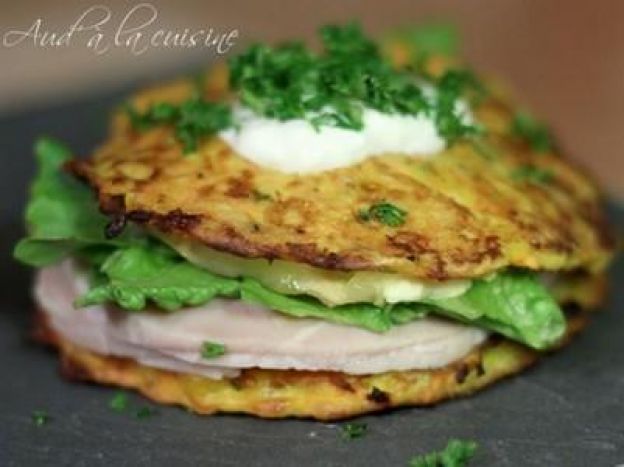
(569, 411)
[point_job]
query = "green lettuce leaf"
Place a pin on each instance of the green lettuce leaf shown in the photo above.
(136, 276)
(365, 315)
(513, 303)
(62, 215)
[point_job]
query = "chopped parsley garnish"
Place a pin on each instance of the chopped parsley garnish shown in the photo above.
(328, 89)
(354, 430)
(40, 417)
(144, 412)
(333, 88)
(535, 133)
(430, 39)
(192, 119)
(212, 350)
(457, 453)
(119, 402)
(532, 173)
(384, 213)
(449, 122)
(261, 195)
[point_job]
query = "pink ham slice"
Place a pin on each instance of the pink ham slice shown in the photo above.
(253, 336)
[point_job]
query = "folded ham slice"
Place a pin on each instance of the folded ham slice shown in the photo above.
(253, 336)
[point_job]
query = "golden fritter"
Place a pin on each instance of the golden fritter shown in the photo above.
(311, 394)
(469, 213)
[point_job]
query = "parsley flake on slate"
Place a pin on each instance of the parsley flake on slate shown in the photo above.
(145, 412)
(40, 417)
(532, 173)
(212, 350)
(535, 133)
(384, 213)
(457, 453)
(119, 402)
(354, 430)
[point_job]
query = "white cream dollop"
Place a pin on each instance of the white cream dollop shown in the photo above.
(295, 146)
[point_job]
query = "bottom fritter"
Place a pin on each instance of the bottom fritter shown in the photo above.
(311, 394)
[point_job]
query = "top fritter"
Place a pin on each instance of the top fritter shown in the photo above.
(490, 193)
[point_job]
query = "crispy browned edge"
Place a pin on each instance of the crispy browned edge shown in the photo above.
(183, 224)
(321, 395)
(180, 221)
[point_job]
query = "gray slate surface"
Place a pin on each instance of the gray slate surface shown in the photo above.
(569, 411)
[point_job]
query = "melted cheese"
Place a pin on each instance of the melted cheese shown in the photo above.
(330, 287)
